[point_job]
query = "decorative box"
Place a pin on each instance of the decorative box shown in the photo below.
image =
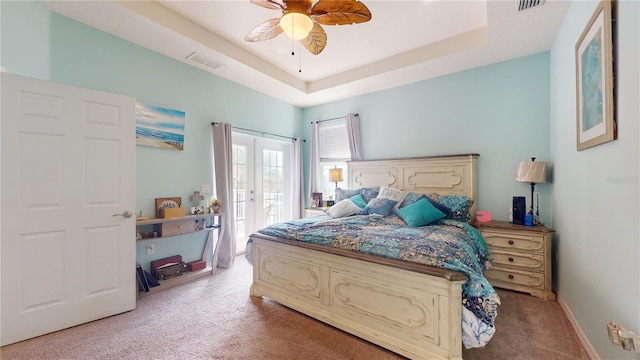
(483, 216)
(196, 265)
(169, 271)
(164, 261)
(169, 213)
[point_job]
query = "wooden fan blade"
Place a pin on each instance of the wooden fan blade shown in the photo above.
(269, 4)
(340, 12)
(316, 40)
(265, 31)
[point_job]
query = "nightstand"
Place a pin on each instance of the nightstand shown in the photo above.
(521, 257)
(313, 211)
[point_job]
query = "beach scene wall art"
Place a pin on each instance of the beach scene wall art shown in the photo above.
(159, 127)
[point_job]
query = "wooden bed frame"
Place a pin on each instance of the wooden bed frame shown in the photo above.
(411, 309)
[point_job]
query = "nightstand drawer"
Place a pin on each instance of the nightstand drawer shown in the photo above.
(512, 241)
(500, 276)
(178, 227)
(523, 261)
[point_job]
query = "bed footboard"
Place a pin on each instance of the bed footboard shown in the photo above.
(414, 314)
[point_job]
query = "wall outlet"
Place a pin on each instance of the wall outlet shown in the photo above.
(205, 189)
(151, 248)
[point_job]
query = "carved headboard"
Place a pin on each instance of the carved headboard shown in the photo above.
(445, 175)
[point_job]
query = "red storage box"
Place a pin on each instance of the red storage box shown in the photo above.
(155, 264)
(196, 265)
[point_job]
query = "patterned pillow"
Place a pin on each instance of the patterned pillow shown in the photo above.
(366, 193)
(459, 205)
(420, 213)
(342, 194)
(369, 193)
(380, 206)
(410, 199)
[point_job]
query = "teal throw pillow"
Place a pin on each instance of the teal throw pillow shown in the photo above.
(420, 213)
(379, 206)
(358, 200)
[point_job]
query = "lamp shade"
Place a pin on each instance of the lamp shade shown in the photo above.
(295, 25)
(335, 175)
(532, 172)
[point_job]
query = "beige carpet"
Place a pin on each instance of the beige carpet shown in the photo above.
(215, 318)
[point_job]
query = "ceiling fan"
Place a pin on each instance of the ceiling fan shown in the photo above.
(300, 21)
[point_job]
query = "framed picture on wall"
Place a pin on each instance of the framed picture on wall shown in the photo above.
(159, 127)
(316, 199)
(595, 107)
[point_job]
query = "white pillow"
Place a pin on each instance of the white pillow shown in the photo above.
(343, 208)
(392, 194)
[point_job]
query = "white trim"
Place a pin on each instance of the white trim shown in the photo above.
(574, 323)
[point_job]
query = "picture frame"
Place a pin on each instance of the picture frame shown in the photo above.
(163, 203)
(595, 107)
(159, 127)
(316, 199)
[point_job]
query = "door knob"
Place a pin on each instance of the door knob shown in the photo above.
(126, 214)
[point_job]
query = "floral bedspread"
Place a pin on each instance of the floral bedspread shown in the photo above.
(447, 244)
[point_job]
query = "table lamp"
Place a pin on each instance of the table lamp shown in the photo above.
(532, 172)
(335, 175)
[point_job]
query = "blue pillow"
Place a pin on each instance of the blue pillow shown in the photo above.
(358, 200)
(379, 206)
(420, 213)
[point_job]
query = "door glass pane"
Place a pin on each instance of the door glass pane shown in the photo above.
(272, 177)
(239, 155)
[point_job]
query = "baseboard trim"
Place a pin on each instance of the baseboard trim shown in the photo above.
(581, 336)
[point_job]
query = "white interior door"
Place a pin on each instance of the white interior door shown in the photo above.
(68, 166)
(261, 182)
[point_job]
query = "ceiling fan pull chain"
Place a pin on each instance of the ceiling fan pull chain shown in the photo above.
(299, 58)
(292, 45)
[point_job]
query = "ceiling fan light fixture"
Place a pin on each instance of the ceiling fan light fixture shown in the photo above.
(296, 25)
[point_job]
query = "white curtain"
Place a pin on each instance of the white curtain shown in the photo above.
(222, 162)
(353, 132)
(297, 194)
(314, 161)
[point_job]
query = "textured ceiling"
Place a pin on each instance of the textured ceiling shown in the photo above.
(404, 42)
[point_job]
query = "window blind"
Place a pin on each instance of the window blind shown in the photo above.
(334, 141)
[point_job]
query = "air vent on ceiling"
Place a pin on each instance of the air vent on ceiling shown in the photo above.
(204, 60)
(528, 4)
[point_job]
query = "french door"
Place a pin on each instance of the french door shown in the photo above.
(261, 183)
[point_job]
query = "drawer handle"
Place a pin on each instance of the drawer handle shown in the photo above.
(511, 259)
(179, 227)
(510, 242)
(510, 276)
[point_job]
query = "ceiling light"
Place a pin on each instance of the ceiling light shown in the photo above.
(301, 21)
(295, 25)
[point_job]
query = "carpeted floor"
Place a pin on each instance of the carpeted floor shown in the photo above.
(215, 318)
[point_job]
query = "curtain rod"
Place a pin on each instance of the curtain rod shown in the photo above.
(260, 132)
(336, 118)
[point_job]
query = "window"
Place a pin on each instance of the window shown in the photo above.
(334, 152)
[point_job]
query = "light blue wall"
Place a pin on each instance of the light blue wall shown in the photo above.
(25, 46)
(500, 111)
(596, 196)
(41, 44)
(506, 112)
